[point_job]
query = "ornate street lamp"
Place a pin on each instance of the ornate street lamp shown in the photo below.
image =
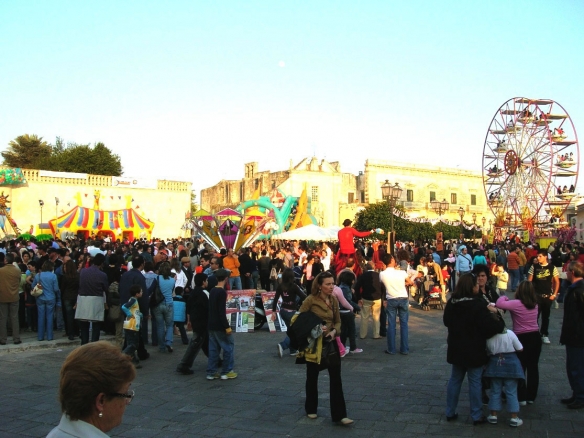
(56, 216)
(440, 207)
(391, 194)
(461, 214)
(474, 223)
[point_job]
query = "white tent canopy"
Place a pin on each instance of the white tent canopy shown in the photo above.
(309, 232)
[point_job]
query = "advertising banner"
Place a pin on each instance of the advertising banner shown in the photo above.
(134, 183)
(278, 325)
(240, 309)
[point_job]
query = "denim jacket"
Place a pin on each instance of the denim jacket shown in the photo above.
(50, 286)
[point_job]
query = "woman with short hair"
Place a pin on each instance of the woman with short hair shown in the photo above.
(470, 323)
(94, 391)
(47, 301)
(164, 312)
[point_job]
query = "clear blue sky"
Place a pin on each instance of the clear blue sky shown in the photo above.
(190, 90)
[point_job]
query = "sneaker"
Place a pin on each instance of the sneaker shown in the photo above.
(522, 403)
(185, 371)
(213, 376)
(492, 419)
(345, 353)
(529, 402)
(356, 350)
(515, 422)
(545, 339)
(293, 352)
(229, 375)
(280, 351)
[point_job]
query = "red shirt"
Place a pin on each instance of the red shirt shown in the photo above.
(513, 261)
(346, 235)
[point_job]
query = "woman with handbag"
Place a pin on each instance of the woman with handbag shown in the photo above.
(47, 301)
(323, 303)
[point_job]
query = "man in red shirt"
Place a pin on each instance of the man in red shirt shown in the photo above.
(347, 248)
(513, 268)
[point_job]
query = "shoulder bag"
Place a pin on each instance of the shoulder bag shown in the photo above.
(38, 289)
(156, 298)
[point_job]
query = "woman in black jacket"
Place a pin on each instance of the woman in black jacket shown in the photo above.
(291, 294)
(470, 323)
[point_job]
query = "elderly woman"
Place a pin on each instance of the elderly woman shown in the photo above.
(164, 312)
(470, 323)
(325, 306)
(94, 391)
(47, 301)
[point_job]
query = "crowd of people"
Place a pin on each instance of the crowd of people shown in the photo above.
(146, 293)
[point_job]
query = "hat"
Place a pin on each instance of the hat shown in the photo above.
(221, 273)
(185, 260)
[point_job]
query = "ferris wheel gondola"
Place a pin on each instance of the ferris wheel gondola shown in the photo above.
(530, 162)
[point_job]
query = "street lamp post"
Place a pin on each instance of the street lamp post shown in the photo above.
(440, 208)
(461, 214)
(41, 203)
(56, 216)
(391, 194)
(474, 223)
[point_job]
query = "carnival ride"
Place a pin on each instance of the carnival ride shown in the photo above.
(254, 219)
(7, 224)
(530, 164)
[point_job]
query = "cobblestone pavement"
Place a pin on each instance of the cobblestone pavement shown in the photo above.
(402, 396)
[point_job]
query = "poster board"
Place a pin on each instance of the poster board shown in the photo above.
(240, 310)
(278, 325)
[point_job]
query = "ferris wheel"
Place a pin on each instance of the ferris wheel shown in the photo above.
(530, 163)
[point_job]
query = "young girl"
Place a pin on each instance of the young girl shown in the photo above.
(505, 370)
(502, 279)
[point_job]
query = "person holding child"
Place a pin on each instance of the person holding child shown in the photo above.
(132, 324)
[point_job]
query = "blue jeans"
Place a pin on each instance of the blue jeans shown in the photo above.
(575, 370)
(398, 307)
(235, 283)
(514, 274)
(219, 340)
(46, 309)
(474, 390)
(164, 314)
(510, 387)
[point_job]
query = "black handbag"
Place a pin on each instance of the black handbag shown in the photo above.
(330, 356)
(156, 297)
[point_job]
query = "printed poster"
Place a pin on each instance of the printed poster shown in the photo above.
(278, 325)
(240, 309)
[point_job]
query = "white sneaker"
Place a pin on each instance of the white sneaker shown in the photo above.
(545, 339)
(280, 351)
(515, 422)
(522, 403)
(556, 305)
(492, 419)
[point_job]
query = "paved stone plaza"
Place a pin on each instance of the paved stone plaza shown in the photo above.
(402, 396)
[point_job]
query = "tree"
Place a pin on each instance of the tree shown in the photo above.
(26, 151)
(97, 160)
(378, 216)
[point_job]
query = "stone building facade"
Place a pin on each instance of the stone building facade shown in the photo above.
(335, 196)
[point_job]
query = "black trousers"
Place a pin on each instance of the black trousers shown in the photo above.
(544, 306)
(529, 358)
(198, 342)
(348, 329)
(84, 331)
(337, 398)
(265, 280)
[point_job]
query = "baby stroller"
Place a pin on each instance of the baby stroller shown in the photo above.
(431, 295)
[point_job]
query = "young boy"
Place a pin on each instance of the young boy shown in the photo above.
(180, 314)
(220, 336)
(198, 310)
(132, 324)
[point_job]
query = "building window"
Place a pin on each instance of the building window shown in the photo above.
(410, 195)
(473, 199)
(453, 198)
(256, 183)
(241, 191)
(362, 196)
(273, 184)
(227, 193)
(351, 198)
(432, 196)
(315, 193)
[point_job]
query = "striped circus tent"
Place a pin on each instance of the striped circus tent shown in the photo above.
(116, 224)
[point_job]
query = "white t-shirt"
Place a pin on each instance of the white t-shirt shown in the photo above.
(504, 343)
(395, 283)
